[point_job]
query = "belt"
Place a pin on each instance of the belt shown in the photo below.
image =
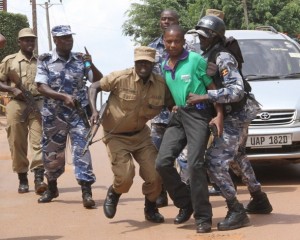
(197, 106)
(129, 133)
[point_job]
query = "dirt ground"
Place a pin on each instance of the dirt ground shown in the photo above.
(22, 218)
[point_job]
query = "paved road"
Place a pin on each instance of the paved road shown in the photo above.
(22, 218)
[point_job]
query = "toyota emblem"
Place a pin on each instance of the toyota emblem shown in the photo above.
(265, 116)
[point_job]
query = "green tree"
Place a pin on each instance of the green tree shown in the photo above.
(143, 17)
(10, 25)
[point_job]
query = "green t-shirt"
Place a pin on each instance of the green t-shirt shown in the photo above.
(188, 76)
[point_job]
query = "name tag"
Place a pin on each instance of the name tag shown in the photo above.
(186, 78)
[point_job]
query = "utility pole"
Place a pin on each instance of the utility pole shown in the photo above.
(34, 23)
(246, 13)
(45, 5)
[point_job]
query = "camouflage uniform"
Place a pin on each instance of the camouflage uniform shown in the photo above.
(59, 121)
(229, 149)
(159, 123)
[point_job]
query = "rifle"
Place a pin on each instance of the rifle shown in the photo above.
(94, 128)
(82, 114)
(31, 106)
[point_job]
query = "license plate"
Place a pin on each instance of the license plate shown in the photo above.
(269, 140)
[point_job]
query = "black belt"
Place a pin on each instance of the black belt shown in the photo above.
(129, 133)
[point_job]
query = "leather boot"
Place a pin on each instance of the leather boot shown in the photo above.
(236, 216)
(39, 185)
(23, 183)
(111, 202)
(162, 200)
(151, 212)
(184, 214)
(50, 193)
(87, 199)
(259, 203)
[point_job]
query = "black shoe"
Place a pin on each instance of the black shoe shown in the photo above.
(203, 227)
(50, 193)
(23, 183)
(39, 186)
(259, 204)
(111, 202)
(48, 196)
(236, 216)
(151, 212)
(162, 200)
(87, 196)
(183, 215)
(23, 188)
(87, 200)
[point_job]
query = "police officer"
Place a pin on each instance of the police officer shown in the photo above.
(59, 78)
(18, 71)
(137, 95)
(240, 110)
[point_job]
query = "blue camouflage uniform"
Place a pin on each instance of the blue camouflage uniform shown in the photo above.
(59, 121)
(159, 123)
(229, 149)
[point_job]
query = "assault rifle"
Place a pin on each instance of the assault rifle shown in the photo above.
(31, 106)
(82, 113)
(94, 128)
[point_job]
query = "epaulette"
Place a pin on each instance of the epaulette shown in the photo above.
(78, 55)
(44, 56)
(9, 57)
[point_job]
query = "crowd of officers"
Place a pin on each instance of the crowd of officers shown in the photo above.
(170, 85)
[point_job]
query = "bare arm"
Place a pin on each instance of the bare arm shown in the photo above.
(46, 91)
(93, 91)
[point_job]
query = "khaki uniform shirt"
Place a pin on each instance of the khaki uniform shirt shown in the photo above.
(131, 102)
(15, 67)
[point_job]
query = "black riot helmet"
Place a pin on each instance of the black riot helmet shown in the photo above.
(212, 25)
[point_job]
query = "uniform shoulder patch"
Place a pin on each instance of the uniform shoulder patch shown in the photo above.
(44, 56)
(9, 57)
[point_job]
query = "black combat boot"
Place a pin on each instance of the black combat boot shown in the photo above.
(87, 199)
(236, 216)
(50, 193)
(23, 183)
(111, 202)
(259, 203)
(162, 200)
(39, 185)
(184, 214)
(151, 212)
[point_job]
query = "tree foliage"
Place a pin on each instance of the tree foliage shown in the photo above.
(143, 17)
(10, 25)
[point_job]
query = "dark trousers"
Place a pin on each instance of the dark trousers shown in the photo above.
(187, 126)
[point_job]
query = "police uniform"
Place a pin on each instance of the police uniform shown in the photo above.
(130, 106)
(22, 125)
(60, 121)
(235, 132)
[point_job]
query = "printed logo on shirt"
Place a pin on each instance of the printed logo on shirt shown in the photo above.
(186, 78)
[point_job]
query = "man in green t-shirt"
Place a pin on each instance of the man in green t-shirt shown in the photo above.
(185, 73)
